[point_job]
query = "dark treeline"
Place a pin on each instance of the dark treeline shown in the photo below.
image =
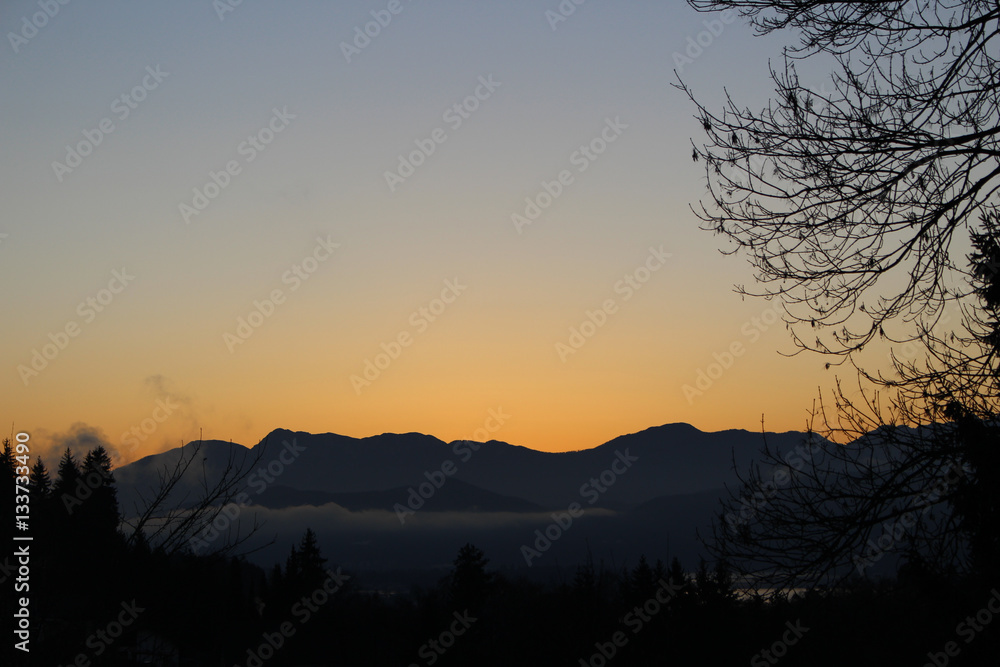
(98, 599)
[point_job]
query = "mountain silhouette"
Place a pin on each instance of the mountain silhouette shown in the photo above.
(668, 460)
(410, 500)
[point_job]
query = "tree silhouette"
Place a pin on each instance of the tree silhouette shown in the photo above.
(854, 206)
(8, 601)
(469, 582)
(832, 192)
(7, 458)
(8, 479)
(675, 573)
(925, 496)
(64, 496)
(305, 567)
(40, 481)
(714, 586)
(43, 512)
(641, 582)
(8, 475)
(99, 508)
(292, 570)
(68, 474)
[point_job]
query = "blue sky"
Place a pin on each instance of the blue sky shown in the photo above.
(221, 80)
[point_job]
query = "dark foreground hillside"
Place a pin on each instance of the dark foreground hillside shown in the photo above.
(98, 598)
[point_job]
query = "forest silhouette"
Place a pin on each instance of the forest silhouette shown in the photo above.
(99, 599)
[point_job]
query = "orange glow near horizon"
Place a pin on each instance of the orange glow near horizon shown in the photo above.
(256, 308)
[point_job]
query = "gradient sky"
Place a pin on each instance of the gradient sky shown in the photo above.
(163, 336)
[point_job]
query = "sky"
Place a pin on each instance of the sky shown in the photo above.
(472, 221)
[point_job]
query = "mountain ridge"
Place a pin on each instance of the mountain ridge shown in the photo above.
(669, 459)
(642, 492)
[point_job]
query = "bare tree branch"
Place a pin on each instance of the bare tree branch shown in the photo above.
(833, 195)
(171, 521)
